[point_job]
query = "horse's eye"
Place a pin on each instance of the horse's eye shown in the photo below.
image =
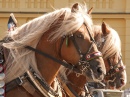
(80, 36)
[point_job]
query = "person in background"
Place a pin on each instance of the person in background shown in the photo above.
(12, 23)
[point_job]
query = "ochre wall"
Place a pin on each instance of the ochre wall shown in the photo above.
(116, 13)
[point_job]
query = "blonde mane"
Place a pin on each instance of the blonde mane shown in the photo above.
(112, 43)
(30, 33)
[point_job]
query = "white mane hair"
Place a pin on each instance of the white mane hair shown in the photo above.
(30, 33)
(112, 43)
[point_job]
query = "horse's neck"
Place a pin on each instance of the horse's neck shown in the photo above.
(70, 78)
(77, 83)
(52, 67)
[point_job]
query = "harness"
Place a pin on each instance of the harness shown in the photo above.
(67, 88)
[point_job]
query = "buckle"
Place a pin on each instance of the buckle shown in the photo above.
(20, 80)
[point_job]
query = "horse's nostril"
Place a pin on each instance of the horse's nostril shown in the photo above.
(99, 70)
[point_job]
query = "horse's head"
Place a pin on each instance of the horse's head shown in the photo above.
(79, 48)
(116, 74)
(110, 46)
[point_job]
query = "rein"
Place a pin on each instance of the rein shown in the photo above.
(71, 67)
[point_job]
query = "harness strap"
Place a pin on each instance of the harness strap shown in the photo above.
(54, 59)
(43, 84)
(13, 84)
(93, 55)
(91, 38)
(76, 45)
(18, 82)
(67, 89)
(114, 67)
(61, 43)
(29, 88)
(32, 83)
(72, 91)
(37, 84)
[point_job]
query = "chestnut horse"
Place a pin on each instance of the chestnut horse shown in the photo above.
(38, 48)
(108, 43)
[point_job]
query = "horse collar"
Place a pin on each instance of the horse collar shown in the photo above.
(31, 78)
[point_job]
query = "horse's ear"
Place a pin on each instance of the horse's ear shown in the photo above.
(75, 7)
(105, 29)
(90, 10)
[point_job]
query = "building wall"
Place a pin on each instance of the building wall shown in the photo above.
(116, 13)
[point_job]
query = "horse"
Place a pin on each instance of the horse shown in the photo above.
(109, 44)
(35, 51)
(116, 76)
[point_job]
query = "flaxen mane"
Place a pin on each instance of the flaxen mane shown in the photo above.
(112, 43)
(30, 33)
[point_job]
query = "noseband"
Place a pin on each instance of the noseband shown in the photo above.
(115, 68)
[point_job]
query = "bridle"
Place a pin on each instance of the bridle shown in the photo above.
(85, 58)
(114, 70)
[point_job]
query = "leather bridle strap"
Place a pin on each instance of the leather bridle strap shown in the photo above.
(67, 88)
(114, 67)
(71, 67)
(91, 38)
(76, 45)
(13, 84)
(72, 90)
(61, 43)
